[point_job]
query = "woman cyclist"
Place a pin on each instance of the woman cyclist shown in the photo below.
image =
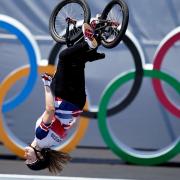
(65, 98)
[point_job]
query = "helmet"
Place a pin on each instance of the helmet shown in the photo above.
(40, 164)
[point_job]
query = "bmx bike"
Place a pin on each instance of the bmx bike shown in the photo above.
(68, 16)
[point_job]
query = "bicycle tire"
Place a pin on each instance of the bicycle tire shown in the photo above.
(57, 9)
(125, 20)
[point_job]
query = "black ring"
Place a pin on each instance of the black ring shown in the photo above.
(135, 87)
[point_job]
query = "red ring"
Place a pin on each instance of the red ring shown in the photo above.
(157, 65)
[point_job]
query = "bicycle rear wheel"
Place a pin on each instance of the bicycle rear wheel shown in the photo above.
(116, 13)
(77, 10)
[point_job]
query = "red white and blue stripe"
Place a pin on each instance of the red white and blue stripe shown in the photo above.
(65, 116)
(66, 112)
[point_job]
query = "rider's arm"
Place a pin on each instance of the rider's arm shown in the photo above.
(49, 100)
(49, 106)
(45, 121)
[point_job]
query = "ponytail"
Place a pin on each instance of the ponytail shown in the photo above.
(56, 159)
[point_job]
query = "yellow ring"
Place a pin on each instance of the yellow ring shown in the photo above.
(6, 138)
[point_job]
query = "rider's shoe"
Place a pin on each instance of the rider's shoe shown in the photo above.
(89, 36)
(47, 79)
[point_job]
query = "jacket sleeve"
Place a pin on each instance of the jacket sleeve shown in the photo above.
(41, 130)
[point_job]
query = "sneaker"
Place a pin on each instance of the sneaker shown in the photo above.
(47, 79)
(89, 36)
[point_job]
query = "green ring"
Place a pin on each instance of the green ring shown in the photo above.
(123, 151)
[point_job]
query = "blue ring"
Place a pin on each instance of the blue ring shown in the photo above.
(11, 104)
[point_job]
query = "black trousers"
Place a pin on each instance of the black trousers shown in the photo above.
(69, 80)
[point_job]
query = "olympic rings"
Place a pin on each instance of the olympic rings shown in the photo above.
(138, 58)
(166, 44)
(122, 150)
(9, 139)
(23, 34)
(13, 144)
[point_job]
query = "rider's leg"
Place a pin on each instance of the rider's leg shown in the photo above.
(73, 53)
(79, 53)
(69, 84)
(79, 49)
(89, 37)
(82, 51)
(69, 79)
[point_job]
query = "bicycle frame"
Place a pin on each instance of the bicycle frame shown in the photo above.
(99, 28)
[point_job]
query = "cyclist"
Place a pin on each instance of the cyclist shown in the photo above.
(65, 98)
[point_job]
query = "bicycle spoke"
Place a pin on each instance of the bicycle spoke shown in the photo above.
(114, 16)
(65, 20)
(68, 11)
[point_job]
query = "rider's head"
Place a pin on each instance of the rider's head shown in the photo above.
(45, 158)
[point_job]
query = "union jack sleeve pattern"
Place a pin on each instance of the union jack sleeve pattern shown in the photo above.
(42, 130)
(65, 116)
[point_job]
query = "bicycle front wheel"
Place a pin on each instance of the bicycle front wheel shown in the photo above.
(116, 13)
(77, 10)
